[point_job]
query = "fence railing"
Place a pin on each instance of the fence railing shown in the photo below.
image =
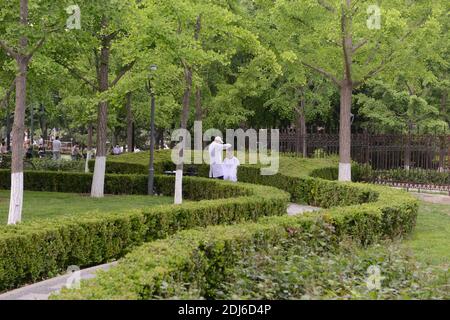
(381, 151)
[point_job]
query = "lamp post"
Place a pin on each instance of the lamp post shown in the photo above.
(151, 171)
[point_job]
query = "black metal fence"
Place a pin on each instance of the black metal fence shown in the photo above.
(381, 151)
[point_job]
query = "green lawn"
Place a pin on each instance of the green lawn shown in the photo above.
(430, 242)
(289, 165)
(38, 205)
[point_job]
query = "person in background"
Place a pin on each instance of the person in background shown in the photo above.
(56, 149)
(216, 158)
(230, 166)
(41, 141)
(75, 152)
(116, 150)
(3, 149)
(41, 152)
(29, 153)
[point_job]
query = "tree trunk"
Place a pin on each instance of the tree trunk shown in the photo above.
(184, 120)
(8, 125)
(408, 148)
(98, 181)
(198, 105)
(443, 139)
(16, 200)
(89, 148)
(129, 122)
(43, 121)
(345, 133)
(301, 127)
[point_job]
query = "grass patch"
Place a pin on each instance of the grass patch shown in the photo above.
(292, 166)
(43, 205)
(430, 241)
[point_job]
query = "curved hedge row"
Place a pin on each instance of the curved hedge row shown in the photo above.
(397, 209)
(203, 257)
(362, 212)
(37, 250)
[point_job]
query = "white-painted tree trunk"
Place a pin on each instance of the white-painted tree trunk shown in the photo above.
(88, 158)
(98, 181)
(179, 187)
(345, 172)
(16, 201)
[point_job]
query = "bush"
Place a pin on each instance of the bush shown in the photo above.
(36, 250)
(48, 164)
(360, 172)
(202, 264)
(308, 268)
(369, 213)
(203, 258)
(411, 176)
(124, 168)
(5, 161)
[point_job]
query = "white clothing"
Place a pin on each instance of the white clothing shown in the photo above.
(56, 146)
(216, 159)
(230, 167)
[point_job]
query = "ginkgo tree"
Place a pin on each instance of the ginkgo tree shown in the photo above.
(348, 42)
(24, 30)
(97, 52)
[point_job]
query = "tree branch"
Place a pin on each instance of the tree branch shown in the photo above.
(39, 44)
(410, 89)
(387, 59)
(77, 73)
(123, 72)
(9, 50)
(327, 6)
(359, 45)
(324, 73)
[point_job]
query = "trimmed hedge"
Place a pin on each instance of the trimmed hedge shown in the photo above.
(116, 184)
(200, 256)
(410, 176)
(359, 173)
(395, 211)
(205, 257)
(362, 212)
(37, 250)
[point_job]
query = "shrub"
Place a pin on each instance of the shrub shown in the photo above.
(360, 172)
(36, 250)
(308, 268)
(48, 164)
(202, 264)
(203, 258)
(369, 213)
(411, 176)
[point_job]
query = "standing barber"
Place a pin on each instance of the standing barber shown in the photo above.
(216, 158)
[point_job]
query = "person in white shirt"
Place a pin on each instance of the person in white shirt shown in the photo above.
(216, 158)
(230, 166)
(56, 149)
(116, 150)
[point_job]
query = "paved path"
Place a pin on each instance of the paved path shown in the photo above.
(433, 198)
(42, 290)
(297, 209)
